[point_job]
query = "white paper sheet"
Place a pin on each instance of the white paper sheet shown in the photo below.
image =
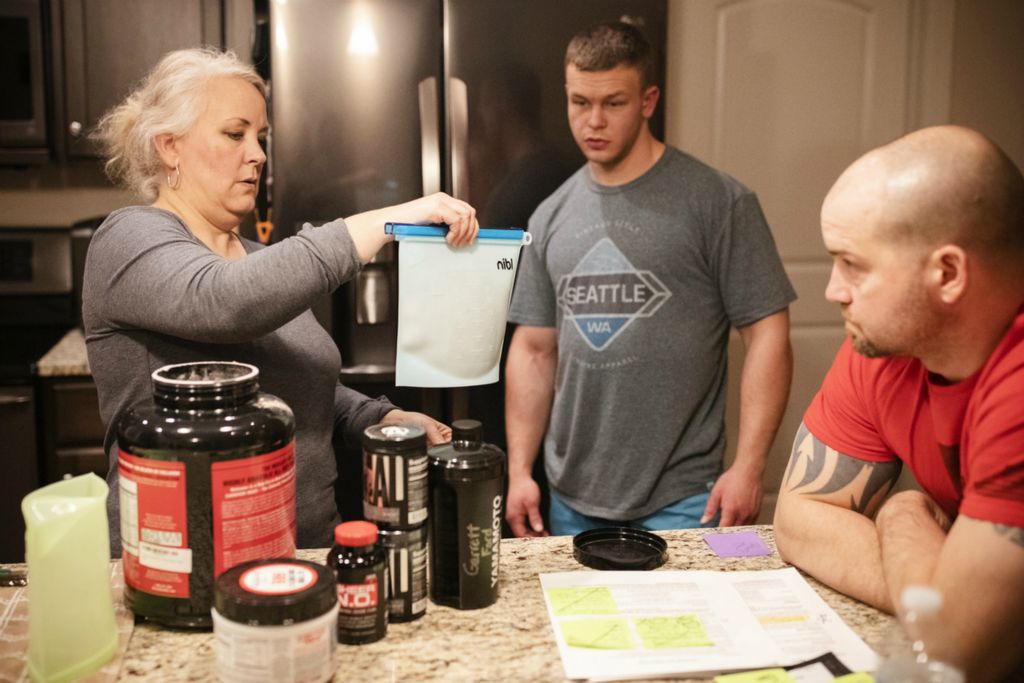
(621, 625)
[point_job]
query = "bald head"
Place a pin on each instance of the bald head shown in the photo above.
(939, 185)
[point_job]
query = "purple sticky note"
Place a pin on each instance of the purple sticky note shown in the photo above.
(737, 544)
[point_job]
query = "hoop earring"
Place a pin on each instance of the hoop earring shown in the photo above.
(177, 177)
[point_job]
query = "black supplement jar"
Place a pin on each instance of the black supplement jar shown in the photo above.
(206, 476)
(466, 496)
(395, 475)
(362, 583)
(406, 551)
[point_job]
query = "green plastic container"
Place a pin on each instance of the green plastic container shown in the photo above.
(71, 626)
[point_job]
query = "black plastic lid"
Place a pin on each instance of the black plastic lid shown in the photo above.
(465, 458)
(619, 548)
(275, 592)
(467, 430)
(388, 438)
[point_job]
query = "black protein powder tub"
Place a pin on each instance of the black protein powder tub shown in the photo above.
(362, 583)
(206, 476)
(406, 552)
(466, 498)
(395, 475)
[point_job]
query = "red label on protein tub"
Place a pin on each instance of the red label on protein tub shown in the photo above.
(253, 508)
(154, 525)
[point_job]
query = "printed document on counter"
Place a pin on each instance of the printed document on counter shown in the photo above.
(621, 625)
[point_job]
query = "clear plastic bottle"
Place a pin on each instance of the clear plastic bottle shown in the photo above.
(920, 607)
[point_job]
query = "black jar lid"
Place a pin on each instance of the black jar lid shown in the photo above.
(465, 458)
(275, 592)
(391, 438)
(619, 548)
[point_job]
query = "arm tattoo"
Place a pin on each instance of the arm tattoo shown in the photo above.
(818, 457)
(1014, 533)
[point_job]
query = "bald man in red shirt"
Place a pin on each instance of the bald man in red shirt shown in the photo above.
(927, 240)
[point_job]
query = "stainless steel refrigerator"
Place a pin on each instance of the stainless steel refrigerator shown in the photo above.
(378, 102)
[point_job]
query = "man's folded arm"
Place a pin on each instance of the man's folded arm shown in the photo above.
(979, 569)
(824, 518)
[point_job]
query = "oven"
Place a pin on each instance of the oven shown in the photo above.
(37, 307)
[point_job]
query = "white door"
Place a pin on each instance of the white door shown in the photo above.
(783, 95)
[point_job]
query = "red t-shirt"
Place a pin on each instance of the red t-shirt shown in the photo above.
(964, 442)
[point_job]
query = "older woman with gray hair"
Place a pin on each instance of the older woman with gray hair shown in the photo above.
(173, 281)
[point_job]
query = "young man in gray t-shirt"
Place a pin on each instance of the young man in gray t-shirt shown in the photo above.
(642, 262)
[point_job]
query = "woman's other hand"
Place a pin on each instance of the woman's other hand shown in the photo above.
(437, 432)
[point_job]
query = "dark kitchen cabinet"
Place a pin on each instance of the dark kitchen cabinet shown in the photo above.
(17, 425)
(71, 429)
(101, 48)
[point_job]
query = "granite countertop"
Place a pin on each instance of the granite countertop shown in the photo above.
(66, 359)
(509, 641)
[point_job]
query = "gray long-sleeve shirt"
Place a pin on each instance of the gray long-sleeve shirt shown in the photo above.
(153, 294)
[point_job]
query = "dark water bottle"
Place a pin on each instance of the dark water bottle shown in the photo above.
(362, 583)
(466, 484)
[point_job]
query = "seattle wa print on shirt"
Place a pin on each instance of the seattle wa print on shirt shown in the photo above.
(605, 293)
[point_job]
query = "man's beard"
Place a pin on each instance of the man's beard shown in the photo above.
(867, 349)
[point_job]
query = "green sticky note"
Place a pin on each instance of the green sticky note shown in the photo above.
(568, 602)
(681, 630)
(856, 677)
(761, 676)
(598, 634)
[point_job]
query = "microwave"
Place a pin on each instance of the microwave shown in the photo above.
(23, 129)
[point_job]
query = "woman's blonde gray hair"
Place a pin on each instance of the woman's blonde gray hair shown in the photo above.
(169, 99)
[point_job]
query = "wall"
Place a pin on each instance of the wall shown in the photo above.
(988, 72)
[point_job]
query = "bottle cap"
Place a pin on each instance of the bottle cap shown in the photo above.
(389, 438)
(466, 458)
(355, 534)
(468, 430)
(275, 592)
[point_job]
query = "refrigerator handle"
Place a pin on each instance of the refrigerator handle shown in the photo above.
(430, 142)
(460, 138)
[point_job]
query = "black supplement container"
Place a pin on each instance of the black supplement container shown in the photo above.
(466, 496)
(406, 551)
(362, 583)
(206, 481)
(395, 475)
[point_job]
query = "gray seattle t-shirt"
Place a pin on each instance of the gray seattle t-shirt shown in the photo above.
(153, 294)
(643, 282)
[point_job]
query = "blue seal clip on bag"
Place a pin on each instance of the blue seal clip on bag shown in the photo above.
(452, 304)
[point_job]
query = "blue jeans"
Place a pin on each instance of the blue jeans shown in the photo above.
(684, 514)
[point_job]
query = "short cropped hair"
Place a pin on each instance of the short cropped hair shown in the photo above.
(169, 99)
(604, 46)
